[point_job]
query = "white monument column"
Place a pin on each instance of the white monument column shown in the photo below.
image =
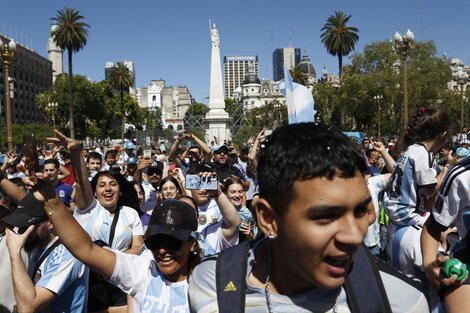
(55, 56)
(216, 118)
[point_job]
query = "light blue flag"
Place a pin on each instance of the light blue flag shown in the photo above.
(300, 103)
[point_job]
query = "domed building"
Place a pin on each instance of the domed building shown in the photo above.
(251, 90)
(306, 67)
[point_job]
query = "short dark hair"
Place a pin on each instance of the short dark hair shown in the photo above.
(52, 161)
(94, 155)
(300, 152)
(110, 152)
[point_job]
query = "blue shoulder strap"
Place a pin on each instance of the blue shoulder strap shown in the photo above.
(364, 288)
(230, 273)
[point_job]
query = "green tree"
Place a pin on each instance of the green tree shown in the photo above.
(197, 109)
(70, 33)
(377, 71)
(298, 76)
(120, 77)
(338, 38)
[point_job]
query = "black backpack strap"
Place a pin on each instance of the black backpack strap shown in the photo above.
(43, 257)
(230, 274)
(113, 226)
(364, 288)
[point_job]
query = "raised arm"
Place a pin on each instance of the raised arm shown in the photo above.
(12, 190)
(73, 236)
(83, 192)
(389, 161)
(229, 213)
(174, 151)
(206, 150)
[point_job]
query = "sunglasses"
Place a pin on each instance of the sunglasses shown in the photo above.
(221, 151)
(163, 241)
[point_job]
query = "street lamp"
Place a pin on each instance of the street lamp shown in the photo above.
(404, 44)
(7, 52)
(378, 99)
(461, 78)
(52, 107)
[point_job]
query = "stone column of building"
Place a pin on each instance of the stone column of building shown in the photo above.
(217, 119)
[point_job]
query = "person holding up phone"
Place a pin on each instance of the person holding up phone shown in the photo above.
(196, 153)
(235, 192)
(218, 219)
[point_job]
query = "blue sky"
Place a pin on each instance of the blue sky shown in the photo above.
(170, 39)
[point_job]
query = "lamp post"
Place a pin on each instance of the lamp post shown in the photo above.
(52, 107)
(461, 78)
(378, 99)
(404, 44)
(7, 52)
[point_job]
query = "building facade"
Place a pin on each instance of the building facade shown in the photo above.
(289, 56)
(30, 74)
(173, 101)
(235, 70)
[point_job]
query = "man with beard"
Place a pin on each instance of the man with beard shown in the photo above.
(222, 167)
(54, 280)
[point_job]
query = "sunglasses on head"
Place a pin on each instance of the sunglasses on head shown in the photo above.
(163, 241)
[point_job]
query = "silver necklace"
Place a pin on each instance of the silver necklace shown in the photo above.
(268, 278)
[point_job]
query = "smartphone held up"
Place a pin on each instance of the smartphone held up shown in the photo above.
(194, 181)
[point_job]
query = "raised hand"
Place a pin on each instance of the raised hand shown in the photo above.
(62, 140)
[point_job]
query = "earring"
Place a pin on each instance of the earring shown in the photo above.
(194, 252)
(271, 235)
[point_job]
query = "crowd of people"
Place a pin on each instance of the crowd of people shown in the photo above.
(305, 219)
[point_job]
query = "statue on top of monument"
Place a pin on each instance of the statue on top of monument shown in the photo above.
(214, 35)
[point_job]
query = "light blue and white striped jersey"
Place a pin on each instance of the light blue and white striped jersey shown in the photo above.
(97, 222)
(64, 275)
(138, 276)
(452, 205)
(208, 214)
(415, 167)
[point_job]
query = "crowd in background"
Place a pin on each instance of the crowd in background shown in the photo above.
(162, 210)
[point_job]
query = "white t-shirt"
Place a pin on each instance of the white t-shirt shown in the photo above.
(97, 222)
(376, 184)
(414, 168)
(138, 276)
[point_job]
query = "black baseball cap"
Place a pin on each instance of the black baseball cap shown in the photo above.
(30, 211)
(174, 218)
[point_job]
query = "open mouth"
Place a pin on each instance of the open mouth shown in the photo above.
(164, 258)
(339, 265)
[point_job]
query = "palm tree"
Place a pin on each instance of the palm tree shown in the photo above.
(338, 38)
(70, 33)
(298, 76)
(120, 77)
